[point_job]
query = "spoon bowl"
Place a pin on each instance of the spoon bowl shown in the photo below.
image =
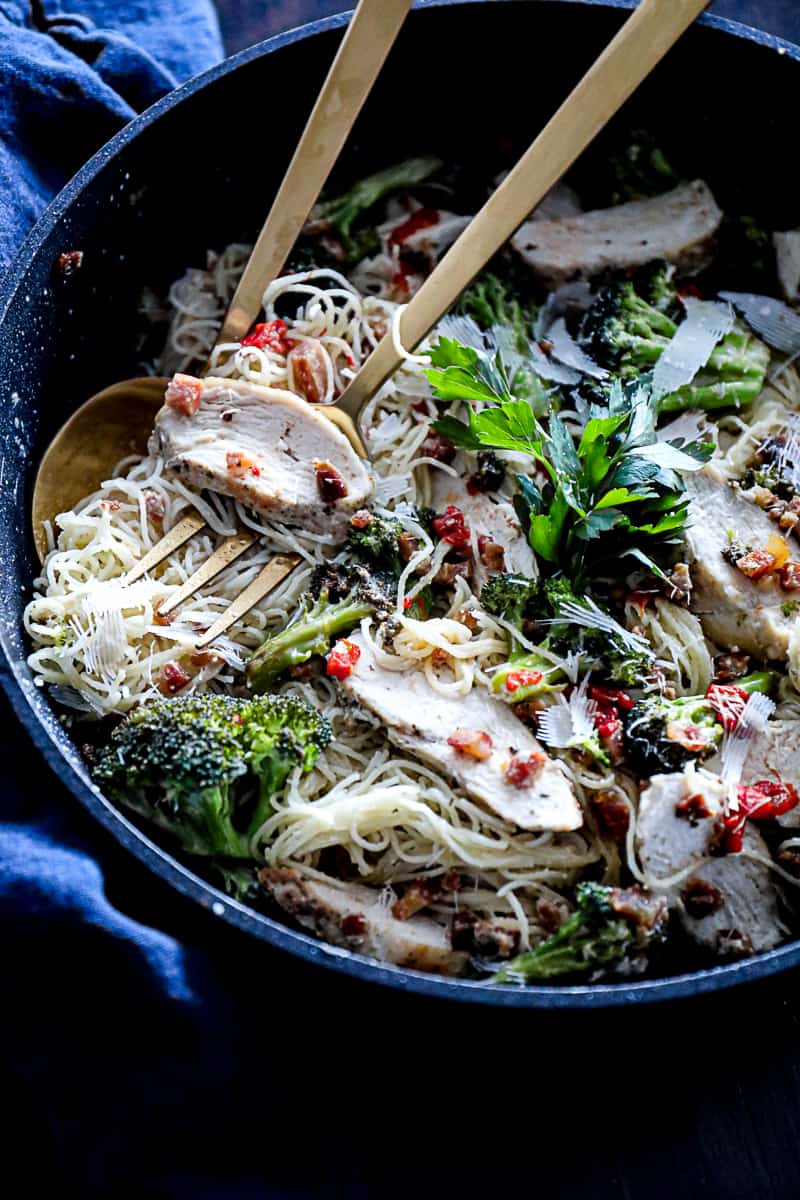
(110, 426)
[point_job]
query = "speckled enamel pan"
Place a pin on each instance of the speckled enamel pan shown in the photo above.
(192, 173)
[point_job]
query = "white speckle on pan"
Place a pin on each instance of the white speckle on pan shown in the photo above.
(218, 909)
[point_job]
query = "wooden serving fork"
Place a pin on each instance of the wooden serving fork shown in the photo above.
(629, 58)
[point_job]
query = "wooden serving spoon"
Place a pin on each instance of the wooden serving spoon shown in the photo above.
(118, 420)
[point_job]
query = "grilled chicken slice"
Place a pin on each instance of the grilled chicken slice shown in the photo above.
(774, 754)
(262, 446)
(496, 748)
(497, 538)
(355, 916)
(729, 904)
(680, 226)
(735, 610)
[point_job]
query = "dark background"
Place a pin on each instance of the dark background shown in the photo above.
(284, 1082)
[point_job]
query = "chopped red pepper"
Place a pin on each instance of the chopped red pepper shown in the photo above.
(361, 519)
(762, 801)
(728, 702)
(183, 394)
(342, 658)
(524, 678)
(641, 599)
(330, 485)
(269, 335)
(423, 218)
(611, 697)
(756, 564)
(450, 527)
(523, 769)
(473, 743)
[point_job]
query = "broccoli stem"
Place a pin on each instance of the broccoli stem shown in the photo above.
(343, 211)
(308, 636)
(563, 953)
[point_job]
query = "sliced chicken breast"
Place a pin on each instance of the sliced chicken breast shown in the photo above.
(728, 904)
(492, 524)
(356, 917)
(774, 754)
(735, 610)
(679, 226)
(262, 446)
(495, 750)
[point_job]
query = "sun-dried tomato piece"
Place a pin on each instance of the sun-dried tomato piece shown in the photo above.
(451, 527)
(523, 769)
(693, 808)
(184, 394)
(361, 519)
(330, 485)
(473, 743)
(789, 576)
(307, 363)
(492, 554)
(756, 564)
(70, 261)
(172, 678)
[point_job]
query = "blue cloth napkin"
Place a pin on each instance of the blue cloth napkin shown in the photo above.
(116, 1012)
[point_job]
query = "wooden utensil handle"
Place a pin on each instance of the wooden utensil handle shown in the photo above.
(642, 42)
(369, 37)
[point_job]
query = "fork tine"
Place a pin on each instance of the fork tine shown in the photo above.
(226, 553)
(177, 536)
(268, 578)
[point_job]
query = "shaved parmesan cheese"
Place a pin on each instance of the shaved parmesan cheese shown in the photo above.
(567, 351)
(690, 349)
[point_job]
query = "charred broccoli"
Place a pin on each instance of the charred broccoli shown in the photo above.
(664, 735)
(376, 540)
(518, 601)
(339, 596)
(610, 933)
(341, 213)
(205, 768)
(627, 333)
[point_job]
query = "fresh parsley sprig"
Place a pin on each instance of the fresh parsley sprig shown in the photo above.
(616, 493)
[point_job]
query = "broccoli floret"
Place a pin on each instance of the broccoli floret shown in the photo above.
(509, 596)
(517, 600)
(339, 596)
(610, 933)
(375, 541)
(624, 332)
(628, 333)
(664, 735)
(342, 212)
(490, 300)
(640, 169)
(205, 768)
